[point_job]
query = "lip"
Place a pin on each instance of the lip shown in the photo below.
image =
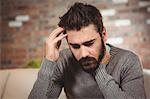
(87, 63)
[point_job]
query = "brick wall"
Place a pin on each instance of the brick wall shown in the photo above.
(23, 43)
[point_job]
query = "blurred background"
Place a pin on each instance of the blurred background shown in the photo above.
(25, 25)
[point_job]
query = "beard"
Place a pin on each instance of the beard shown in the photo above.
(90, 64)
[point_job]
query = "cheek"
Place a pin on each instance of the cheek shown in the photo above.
(75, 53)
(95, 51)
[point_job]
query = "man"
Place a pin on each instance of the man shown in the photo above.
(90, 68)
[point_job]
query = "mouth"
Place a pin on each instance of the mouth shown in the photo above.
(88, 64)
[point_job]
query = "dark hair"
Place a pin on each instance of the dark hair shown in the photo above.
(80, 15)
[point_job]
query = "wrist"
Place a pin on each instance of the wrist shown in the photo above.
(100, 68)
(50, 59)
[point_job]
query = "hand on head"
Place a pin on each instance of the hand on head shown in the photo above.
(53, 44)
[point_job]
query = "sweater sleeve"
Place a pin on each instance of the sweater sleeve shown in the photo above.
(131, 87)
(48, 84)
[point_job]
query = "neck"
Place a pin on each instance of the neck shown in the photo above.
(107, 56)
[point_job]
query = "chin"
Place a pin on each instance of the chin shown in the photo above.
(90, 68)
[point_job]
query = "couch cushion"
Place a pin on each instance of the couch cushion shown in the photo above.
(20, 83)
(147, 82)
(3, 81)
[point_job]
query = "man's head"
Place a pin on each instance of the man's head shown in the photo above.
(80, 15)
(86, 35)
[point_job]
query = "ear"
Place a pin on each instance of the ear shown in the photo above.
(104, 35)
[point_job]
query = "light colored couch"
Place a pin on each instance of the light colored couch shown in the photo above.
(17, 83)
(147, 82)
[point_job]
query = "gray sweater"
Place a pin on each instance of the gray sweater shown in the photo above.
(121, 78)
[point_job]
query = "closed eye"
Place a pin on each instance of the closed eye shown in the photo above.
(89, 43)
(75, 46)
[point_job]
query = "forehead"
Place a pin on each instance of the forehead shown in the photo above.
(83, 35)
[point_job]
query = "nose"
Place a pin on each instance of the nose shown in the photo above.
(84, 51)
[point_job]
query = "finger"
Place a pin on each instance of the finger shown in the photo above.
(59, 38)
(56, 32)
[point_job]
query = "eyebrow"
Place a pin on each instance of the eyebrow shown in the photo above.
(86, 42)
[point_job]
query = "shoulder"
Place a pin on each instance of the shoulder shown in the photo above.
(125, 58)
(128, 60)
(123, 53)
